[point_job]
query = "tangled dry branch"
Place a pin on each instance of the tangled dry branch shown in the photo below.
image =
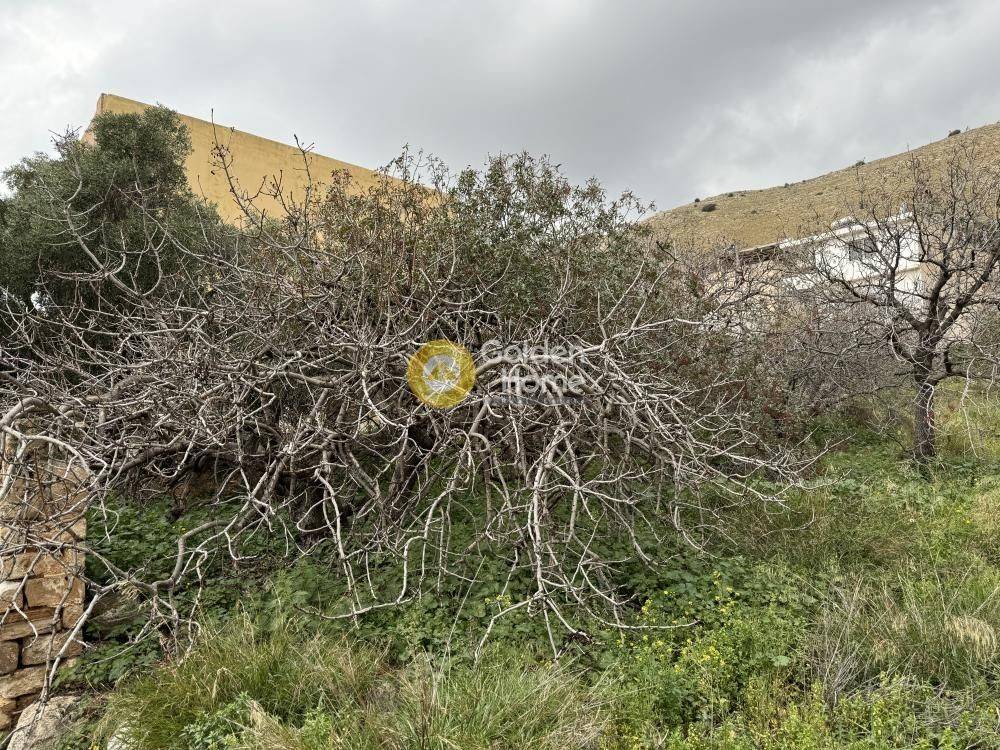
(270, 364)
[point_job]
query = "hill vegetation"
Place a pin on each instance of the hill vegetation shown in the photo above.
(752, 218)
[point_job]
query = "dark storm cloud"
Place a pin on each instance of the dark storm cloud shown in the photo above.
(672, 99)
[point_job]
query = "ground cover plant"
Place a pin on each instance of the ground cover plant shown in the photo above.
(854, 631)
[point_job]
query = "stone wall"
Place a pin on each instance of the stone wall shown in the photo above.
(42, 525)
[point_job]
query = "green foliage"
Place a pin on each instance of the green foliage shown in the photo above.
(895, 715)
(715, 630)
(278, 671)
(133, 170)
(451, 620)
(869, 621)
(938, 627)
(519, 230)
(762, 674)
(242, 687)
(217, 730)
(142, 538)
(523, 213)
(868, 509)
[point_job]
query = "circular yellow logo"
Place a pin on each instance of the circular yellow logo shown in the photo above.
(441, 373)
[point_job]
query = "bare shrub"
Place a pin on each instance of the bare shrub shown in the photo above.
(274, 358)
(907, 282)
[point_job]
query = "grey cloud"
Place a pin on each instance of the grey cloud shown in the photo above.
(672, 99)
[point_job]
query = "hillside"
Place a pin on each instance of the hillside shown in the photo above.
(749, 218)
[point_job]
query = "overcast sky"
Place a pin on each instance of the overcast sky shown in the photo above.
(674, 99)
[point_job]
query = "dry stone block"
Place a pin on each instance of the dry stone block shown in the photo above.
(22, 682)
(77, 592)
(39, 564)
(23, 701)
(7, 709)
(27, 622)
(40, 650)
(43, 489)
(12, 538)
(72, 561)
(9, 651)
(66, 530)
(10, 595)
(51, 591)
(71, 615)
(40, 725)
(71, 533)
(41, 594)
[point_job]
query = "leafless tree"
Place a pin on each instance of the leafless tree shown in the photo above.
(909, 279)
(608, 403)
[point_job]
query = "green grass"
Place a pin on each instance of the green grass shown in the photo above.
(244, 687)
(862, 614)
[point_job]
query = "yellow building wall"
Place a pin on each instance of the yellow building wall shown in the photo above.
(254, 159)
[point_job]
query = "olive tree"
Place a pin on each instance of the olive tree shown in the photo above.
(119, 190)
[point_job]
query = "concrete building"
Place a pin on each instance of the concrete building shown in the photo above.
(254, 160)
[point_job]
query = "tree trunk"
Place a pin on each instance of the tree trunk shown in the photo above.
(923, 422)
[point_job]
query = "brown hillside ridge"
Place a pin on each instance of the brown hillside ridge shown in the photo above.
(255, 159)
(754, 218)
